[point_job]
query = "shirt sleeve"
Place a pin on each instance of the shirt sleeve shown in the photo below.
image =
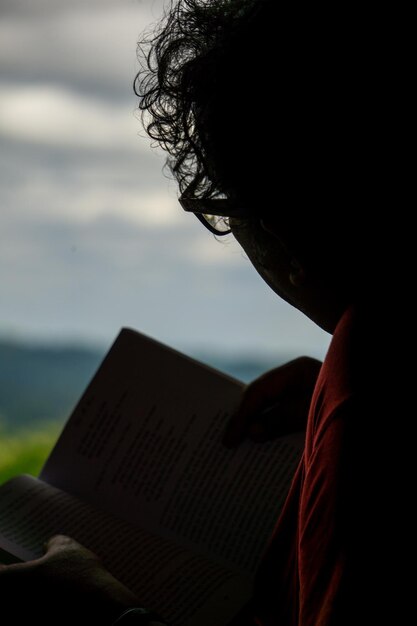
(342, 572)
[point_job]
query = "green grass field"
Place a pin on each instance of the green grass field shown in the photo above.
(25, 451)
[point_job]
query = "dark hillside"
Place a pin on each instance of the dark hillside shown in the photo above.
(44, 383)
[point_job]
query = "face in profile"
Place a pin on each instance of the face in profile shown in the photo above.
(267, 254)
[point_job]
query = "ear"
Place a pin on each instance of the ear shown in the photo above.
(297, 273)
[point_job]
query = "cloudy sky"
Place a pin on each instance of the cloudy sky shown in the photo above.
(92, 236)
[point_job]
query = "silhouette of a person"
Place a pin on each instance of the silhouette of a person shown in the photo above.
(277, 124)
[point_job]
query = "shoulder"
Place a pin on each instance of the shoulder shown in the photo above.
(359, 367)
(348, 402)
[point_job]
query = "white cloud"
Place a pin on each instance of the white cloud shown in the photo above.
(92, 237)
(90, 45)
(215, 252)
(55, 116)
(72, 196)
(148, 209)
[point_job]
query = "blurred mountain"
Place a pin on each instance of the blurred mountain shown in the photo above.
(42, 383)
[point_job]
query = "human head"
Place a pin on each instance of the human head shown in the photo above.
(272, 105)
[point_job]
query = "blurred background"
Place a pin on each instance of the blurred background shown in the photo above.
(92, 236)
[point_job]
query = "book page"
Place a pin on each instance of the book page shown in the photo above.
(145, 444)
(184, 588)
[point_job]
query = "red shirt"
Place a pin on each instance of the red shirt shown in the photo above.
(322, 562)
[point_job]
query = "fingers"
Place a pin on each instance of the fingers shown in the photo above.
(285, 417)
(16, 567)
(58, 543)
(258, 396)
(55, 545)
(255, 397)
(60, 546)
(274, 404)
(249, 419)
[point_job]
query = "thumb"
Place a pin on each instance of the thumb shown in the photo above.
(67, 548)
(278, 391)
(58, 543)
(265, 390)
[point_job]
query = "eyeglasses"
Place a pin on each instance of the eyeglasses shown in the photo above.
(214, 213)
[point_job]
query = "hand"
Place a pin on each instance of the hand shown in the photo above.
(68, 585)
(275, 404)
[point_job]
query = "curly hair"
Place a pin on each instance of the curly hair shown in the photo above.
(193, 85)
(244, 99)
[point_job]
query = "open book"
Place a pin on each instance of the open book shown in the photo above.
(140, 476)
